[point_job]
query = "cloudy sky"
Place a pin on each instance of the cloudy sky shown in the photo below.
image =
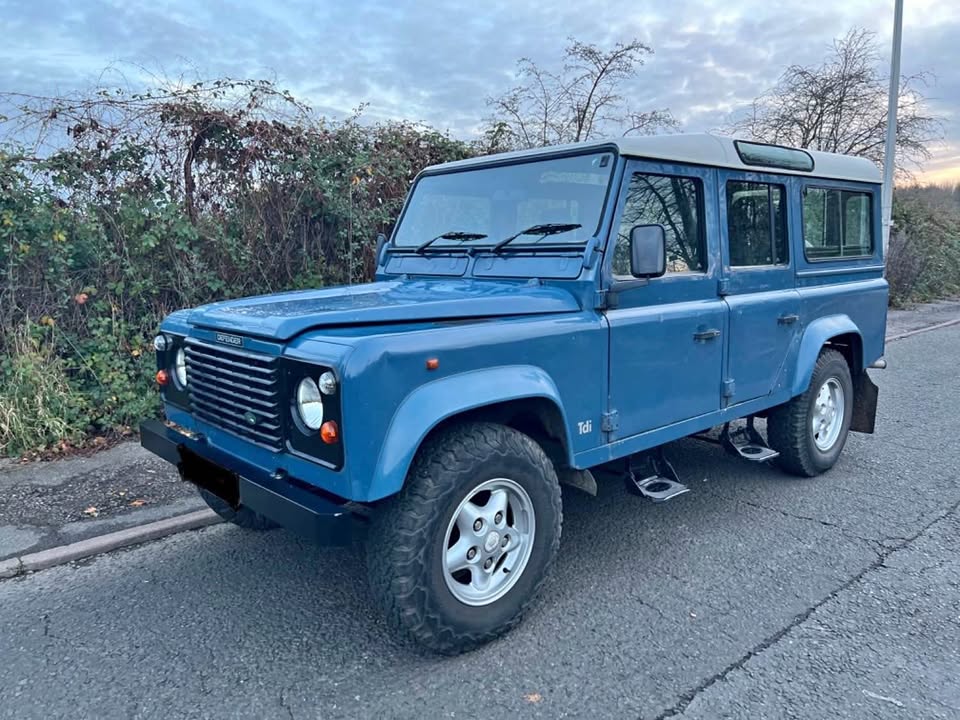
(437, 61)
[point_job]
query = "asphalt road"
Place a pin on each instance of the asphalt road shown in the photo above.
(754, 596)
(44, 504)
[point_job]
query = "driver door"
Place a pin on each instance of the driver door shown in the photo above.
(667, 334)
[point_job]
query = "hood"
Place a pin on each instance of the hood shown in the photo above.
(285, 315)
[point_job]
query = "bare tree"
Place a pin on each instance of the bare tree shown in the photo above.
(582, 101)
(841, 106)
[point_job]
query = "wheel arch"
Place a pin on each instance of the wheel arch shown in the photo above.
(835, 331)
(850, 345)
(520, 396)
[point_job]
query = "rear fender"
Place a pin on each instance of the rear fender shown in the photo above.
(815, 336)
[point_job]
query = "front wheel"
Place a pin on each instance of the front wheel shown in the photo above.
(459, 554)
(810, 431)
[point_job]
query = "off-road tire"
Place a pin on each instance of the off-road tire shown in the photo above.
(244, 517)
(406, 541)
(789, 429)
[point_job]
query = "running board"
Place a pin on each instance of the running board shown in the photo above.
(756, 453)
(659, 489)
(747, 443)
(658, 481)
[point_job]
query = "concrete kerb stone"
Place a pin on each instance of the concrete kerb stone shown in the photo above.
(10, 567)
(106, 543)
(928, 328)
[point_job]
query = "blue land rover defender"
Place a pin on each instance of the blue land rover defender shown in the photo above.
(535, 316)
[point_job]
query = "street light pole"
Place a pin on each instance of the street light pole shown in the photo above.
(892, 104)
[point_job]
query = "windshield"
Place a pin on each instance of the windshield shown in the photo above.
(495, 203)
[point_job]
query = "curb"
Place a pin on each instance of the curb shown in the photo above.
(928, 328)
(105, 543)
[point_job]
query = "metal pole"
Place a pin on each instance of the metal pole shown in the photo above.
(890, 150)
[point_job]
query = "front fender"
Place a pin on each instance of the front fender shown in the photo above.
(430, 404)
(814, 337)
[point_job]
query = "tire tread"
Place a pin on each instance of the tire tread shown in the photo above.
(787, 431)
(399, 534)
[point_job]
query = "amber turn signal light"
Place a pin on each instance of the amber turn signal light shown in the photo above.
(163, 377)
(433, 363)
(329, 432)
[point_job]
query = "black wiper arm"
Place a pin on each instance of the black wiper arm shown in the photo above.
(452, 235)
(541, 230)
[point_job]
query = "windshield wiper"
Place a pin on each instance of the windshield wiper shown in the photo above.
(452, 235)
(541, 230)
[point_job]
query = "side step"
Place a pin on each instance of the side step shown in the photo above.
(747, 443)
(655, 479)
(659, 489)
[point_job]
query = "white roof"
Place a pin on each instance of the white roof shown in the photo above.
(700, 149)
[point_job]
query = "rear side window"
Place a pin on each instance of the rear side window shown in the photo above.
(837, 223)
(756, 223)
(672, 201)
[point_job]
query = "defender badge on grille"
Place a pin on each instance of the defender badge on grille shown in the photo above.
(250, 418)
(228, 339)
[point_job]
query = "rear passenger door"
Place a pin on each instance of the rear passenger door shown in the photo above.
(759, 284)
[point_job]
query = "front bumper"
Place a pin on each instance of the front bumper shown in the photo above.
(318, 516)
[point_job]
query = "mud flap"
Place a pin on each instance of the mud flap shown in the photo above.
(865, 394)
(580, 479)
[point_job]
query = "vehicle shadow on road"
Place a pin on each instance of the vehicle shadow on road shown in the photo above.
(275, 578)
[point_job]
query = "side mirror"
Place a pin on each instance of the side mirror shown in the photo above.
(381, 243)
(648, 251)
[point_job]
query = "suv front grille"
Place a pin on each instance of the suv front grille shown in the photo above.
(236, 391)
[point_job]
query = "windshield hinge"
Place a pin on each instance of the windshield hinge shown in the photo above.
(592, 250)
(610, 421)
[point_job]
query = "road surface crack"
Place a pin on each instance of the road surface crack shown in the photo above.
(284, 704)
(825, 523)
(204, 688)
(688, 697)
(875, 544)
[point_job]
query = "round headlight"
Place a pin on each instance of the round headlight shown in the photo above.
(328, 383)
(310, 403)
(180, 368)
(161, 343)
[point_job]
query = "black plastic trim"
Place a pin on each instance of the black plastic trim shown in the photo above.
(172, 392)
(300, 440)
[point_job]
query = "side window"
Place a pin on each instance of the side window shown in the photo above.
(756, 223)
(672, 201)
(836, 223)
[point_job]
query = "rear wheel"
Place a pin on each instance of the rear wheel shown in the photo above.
(810, 431)
(460, 553)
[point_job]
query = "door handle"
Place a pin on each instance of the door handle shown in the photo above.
(788, 319)
(704, 335)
